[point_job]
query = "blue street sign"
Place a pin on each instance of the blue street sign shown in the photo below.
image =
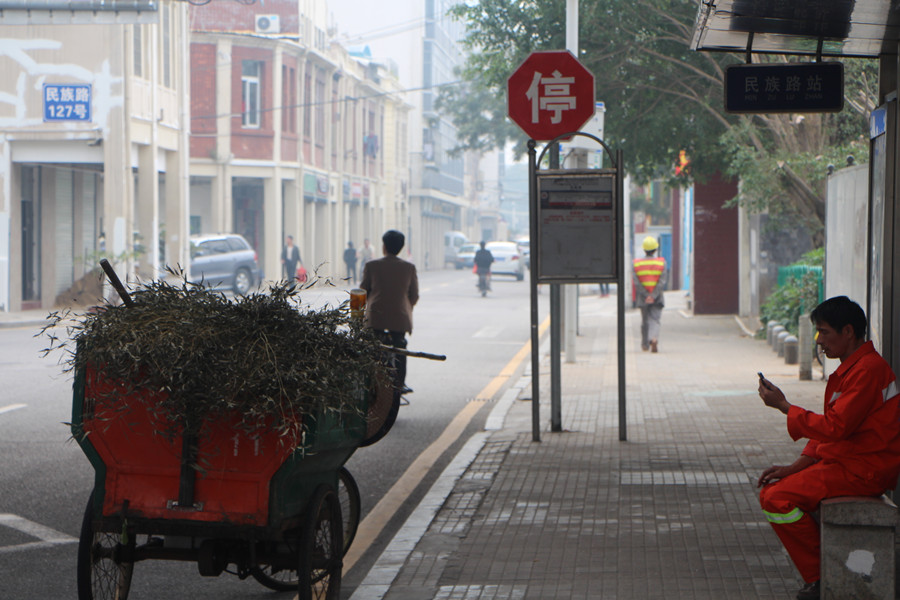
(67, 102)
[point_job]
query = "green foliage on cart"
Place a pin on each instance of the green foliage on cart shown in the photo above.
(264, 356)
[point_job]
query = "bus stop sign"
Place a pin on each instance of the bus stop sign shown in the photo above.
(550, 94)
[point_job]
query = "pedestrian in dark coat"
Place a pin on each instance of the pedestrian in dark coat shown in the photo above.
(350, 261)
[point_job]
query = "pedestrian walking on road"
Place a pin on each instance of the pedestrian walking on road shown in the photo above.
(365, 254)
(650, 278)
(290, 258)
(392, 290)
(483, 261)
(350, 261)
(853, 447)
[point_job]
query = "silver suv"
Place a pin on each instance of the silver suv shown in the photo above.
(224, 262)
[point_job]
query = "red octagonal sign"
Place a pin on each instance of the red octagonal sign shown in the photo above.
(550, 94)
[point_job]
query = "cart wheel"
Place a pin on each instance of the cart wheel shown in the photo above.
(348, 494)
(101, 573)
(281, 580)
(320, 563)
(382, 412)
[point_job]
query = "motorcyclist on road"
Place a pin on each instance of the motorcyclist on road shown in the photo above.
(483, 260)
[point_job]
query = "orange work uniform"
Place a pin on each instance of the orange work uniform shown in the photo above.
(856, 443)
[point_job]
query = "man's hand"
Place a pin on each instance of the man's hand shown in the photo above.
(776, 472)
(772, 396)
(773, 473)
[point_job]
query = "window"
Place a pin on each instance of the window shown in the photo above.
(166, 46)
(138, 43)
(307, 106)
(288, 100)
(335, 118)
(320, 108)
(251, 72)
(285, 92)
(236, 244)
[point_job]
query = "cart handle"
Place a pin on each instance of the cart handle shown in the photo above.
(116, 282)
(414, 354)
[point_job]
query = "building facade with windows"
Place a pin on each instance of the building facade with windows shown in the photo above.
(292, 135)
(93, 135)
(439, 202)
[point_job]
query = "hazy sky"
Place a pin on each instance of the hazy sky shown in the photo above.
(382, 26)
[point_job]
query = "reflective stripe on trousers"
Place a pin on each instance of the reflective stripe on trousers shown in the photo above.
(784, 518)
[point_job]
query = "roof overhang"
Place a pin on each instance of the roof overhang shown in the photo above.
(867, 28)
(78, 12)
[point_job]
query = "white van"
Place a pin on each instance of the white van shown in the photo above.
(453, 241)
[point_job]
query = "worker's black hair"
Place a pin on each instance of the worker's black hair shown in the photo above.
(840, 311)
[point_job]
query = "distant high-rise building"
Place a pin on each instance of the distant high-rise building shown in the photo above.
(423, 41)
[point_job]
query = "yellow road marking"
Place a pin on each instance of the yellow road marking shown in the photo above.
(372, 526)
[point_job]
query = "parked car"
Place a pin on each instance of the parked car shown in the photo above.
(465, 256)
(524, 245)
(507, 259)
(224, 262)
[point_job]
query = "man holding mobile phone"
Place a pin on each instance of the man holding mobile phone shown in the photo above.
(854, 445)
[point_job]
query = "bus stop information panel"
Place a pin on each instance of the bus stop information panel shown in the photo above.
(576, 226)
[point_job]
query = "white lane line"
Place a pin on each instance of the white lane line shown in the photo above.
(46, 535)
(11, 407)
(488, 331)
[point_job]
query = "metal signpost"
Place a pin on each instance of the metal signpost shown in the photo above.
(576, 220)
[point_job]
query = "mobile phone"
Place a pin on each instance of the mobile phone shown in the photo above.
(762, 379)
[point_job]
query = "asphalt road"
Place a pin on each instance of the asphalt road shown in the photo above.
(45, 480)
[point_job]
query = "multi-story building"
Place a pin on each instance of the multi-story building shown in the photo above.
(292, 135)
(92, 137)
(438, 199)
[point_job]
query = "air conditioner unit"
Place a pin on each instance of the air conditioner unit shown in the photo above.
(268, 24)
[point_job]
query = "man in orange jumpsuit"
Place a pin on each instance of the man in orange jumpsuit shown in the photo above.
(853, 448)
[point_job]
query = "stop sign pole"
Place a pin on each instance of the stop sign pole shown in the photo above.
(551, 96)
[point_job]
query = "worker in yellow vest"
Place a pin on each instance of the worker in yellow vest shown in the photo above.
(650, 277)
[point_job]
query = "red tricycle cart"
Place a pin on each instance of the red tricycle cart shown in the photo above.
(249, 500)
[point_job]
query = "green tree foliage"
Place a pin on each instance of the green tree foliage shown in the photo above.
(661, 98)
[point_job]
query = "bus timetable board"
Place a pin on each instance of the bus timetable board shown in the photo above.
(576, 226)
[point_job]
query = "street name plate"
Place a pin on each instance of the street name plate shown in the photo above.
(785, 87)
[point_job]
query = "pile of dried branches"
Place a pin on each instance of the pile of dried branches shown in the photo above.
(206, 357)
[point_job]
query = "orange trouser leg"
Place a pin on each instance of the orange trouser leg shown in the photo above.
(788, 503)
(801, 540)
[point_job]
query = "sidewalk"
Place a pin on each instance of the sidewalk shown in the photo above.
(27, 318)
(37, 318)
(670, 513)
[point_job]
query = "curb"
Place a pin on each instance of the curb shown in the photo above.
(377, 582)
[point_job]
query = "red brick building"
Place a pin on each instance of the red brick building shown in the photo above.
(291, 135)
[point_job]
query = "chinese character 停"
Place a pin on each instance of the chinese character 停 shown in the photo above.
(554, 97)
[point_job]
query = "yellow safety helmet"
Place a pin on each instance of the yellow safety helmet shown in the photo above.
(650, 243)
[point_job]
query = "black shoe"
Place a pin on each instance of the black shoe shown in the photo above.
(810, 591)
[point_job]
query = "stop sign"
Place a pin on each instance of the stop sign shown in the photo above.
(550, 94)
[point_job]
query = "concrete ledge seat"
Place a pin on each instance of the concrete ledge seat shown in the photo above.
(877, 511)
(858, 556)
